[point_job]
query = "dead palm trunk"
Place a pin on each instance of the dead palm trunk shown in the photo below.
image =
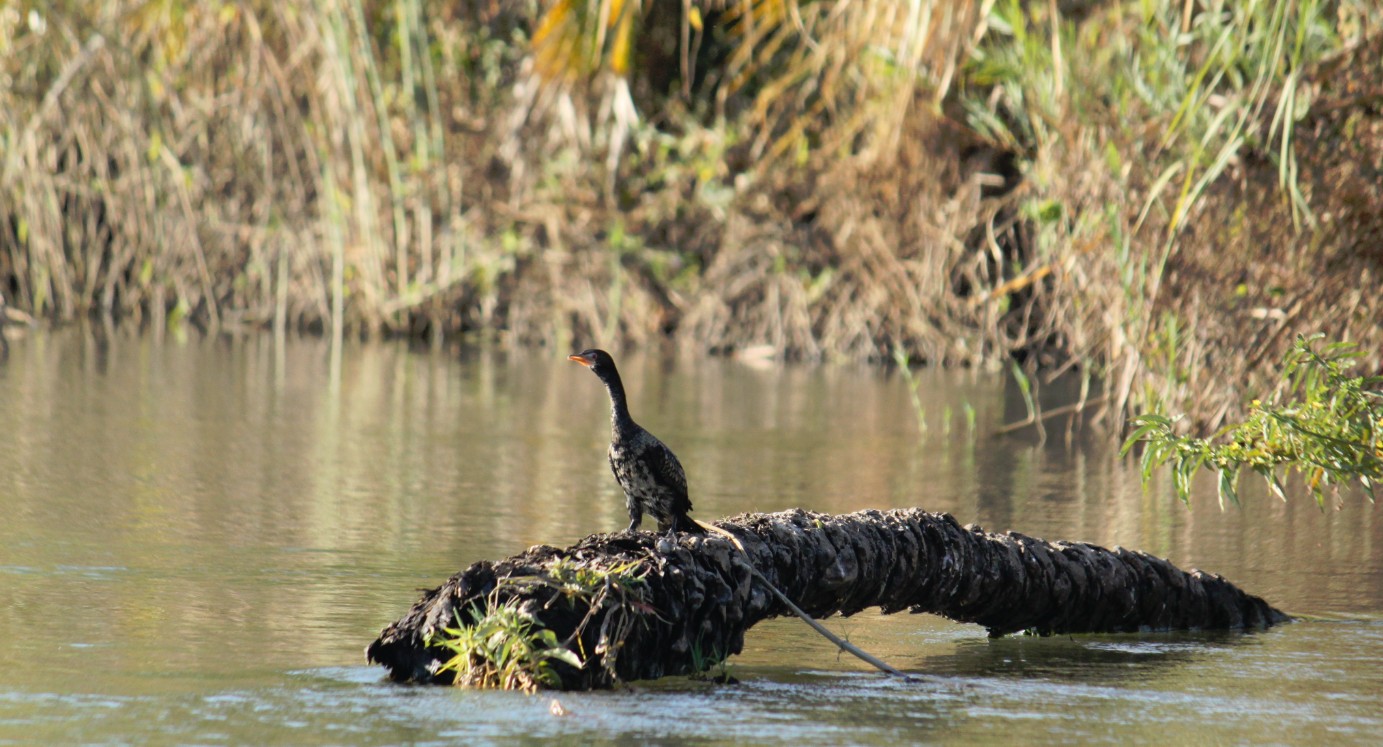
(642, 606)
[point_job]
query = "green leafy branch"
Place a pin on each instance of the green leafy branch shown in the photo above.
(1321, 423)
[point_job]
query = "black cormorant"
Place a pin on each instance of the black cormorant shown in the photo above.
(647, 470)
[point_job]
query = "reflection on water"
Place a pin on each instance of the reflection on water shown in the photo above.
(201, 536)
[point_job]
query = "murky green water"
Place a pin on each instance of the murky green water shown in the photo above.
(198, 539)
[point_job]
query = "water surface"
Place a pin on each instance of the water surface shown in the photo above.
(200, 536)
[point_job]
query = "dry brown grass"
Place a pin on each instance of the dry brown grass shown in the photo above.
(851, 183)
(242, 163)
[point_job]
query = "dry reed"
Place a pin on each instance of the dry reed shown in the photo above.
(968, 181)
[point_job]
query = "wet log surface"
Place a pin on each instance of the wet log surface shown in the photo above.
(695, 597)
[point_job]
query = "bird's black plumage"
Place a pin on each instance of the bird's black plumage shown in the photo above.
(652, 478)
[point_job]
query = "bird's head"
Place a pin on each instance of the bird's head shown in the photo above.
(597, 360)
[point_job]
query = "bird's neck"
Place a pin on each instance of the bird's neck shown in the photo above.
(620, 421)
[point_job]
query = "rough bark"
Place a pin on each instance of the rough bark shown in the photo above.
(697, 595)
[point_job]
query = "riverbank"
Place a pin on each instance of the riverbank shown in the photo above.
(1155, 194)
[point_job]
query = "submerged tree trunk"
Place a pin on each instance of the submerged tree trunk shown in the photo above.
(641, 606)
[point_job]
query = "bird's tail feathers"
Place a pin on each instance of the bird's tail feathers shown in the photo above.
(689, 525)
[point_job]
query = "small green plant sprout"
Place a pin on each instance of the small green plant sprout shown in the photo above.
(582, 582)
(620, 590)
(1321, 423)
(504, 649)
(904, 363)
(1034, 417)
(704, 661)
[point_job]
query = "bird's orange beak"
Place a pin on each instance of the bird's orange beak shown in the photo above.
(579, 359)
